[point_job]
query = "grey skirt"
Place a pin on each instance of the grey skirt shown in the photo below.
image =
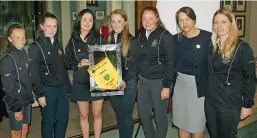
(187, 108)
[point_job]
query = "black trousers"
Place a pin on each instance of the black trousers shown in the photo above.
(55, 114)
(222, 122)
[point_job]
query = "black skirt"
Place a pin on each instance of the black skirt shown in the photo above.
(80, 92)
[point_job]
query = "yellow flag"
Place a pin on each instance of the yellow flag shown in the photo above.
(104, 74)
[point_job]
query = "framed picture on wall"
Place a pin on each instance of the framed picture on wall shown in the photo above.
(74, 14)
(99, 15)
(240, 6)
(240, 22)
(227, 4)
(92, 3)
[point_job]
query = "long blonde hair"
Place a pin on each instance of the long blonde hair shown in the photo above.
(125, 32)
(232, 39)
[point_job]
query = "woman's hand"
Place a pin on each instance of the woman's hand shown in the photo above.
(83, 62)
(18, 116)
(165, 93)
(42, 101)
(245, 112)
(123, 85)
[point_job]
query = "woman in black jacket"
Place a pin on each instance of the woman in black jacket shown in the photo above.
(76, 59)
(123, 105)
(231, 78)
(155, 63)
(14, 72)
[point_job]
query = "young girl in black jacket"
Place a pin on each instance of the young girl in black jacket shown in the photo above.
(49, 79)
(14, 71)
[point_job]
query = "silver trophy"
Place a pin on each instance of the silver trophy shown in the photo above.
(98, 53)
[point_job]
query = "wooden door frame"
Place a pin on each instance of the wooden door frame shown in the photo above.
(139, 6)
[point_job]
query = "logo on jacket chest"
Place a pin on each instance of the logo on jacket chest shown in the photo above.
(59, 52)
(154, 43)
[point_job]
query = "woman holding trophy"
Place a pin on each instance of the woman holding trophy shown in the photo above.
(123, 105)
(76, 59)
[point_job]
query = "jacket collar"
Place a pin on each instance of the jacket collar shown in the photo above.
(89, 39)
(12, 48)
(47, 40)
(153, 34)
(119, 37)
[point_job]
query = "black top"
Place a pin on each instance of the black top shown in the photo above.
(232, 84)
(15, 76)
(47, 64)
(191, 57)
(75, 51)
(127, 64)
(154, 56)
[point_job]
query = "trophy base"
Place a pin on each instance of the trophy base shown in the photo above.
(109, 93)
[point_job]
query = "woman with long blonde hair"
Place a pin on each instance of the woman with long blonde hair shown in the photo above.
(231, 78)
(123, 105)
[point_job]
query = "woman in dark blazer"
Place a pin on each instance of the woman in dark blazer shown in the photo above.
(191, 52)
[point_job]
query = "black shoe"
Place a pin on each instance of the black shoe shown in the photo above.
(6, 115)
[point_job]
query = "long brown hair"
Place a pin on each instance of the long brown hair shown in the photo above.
(125, 32)
(232, 39)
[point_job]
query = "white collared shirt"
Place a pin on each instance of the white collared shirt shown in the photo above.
(52, 40)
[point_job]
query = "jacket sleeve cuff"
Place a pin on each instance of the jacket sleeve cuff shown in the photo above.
(248, 104)
(39, 95)
(16, 109)
(166, 85)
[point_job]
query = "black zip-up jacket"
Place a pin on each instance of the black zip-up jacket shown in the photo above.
(127, 64)
(75, 51)
(154, 57)
(47, 64)
(232, 85)
(14, 71)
